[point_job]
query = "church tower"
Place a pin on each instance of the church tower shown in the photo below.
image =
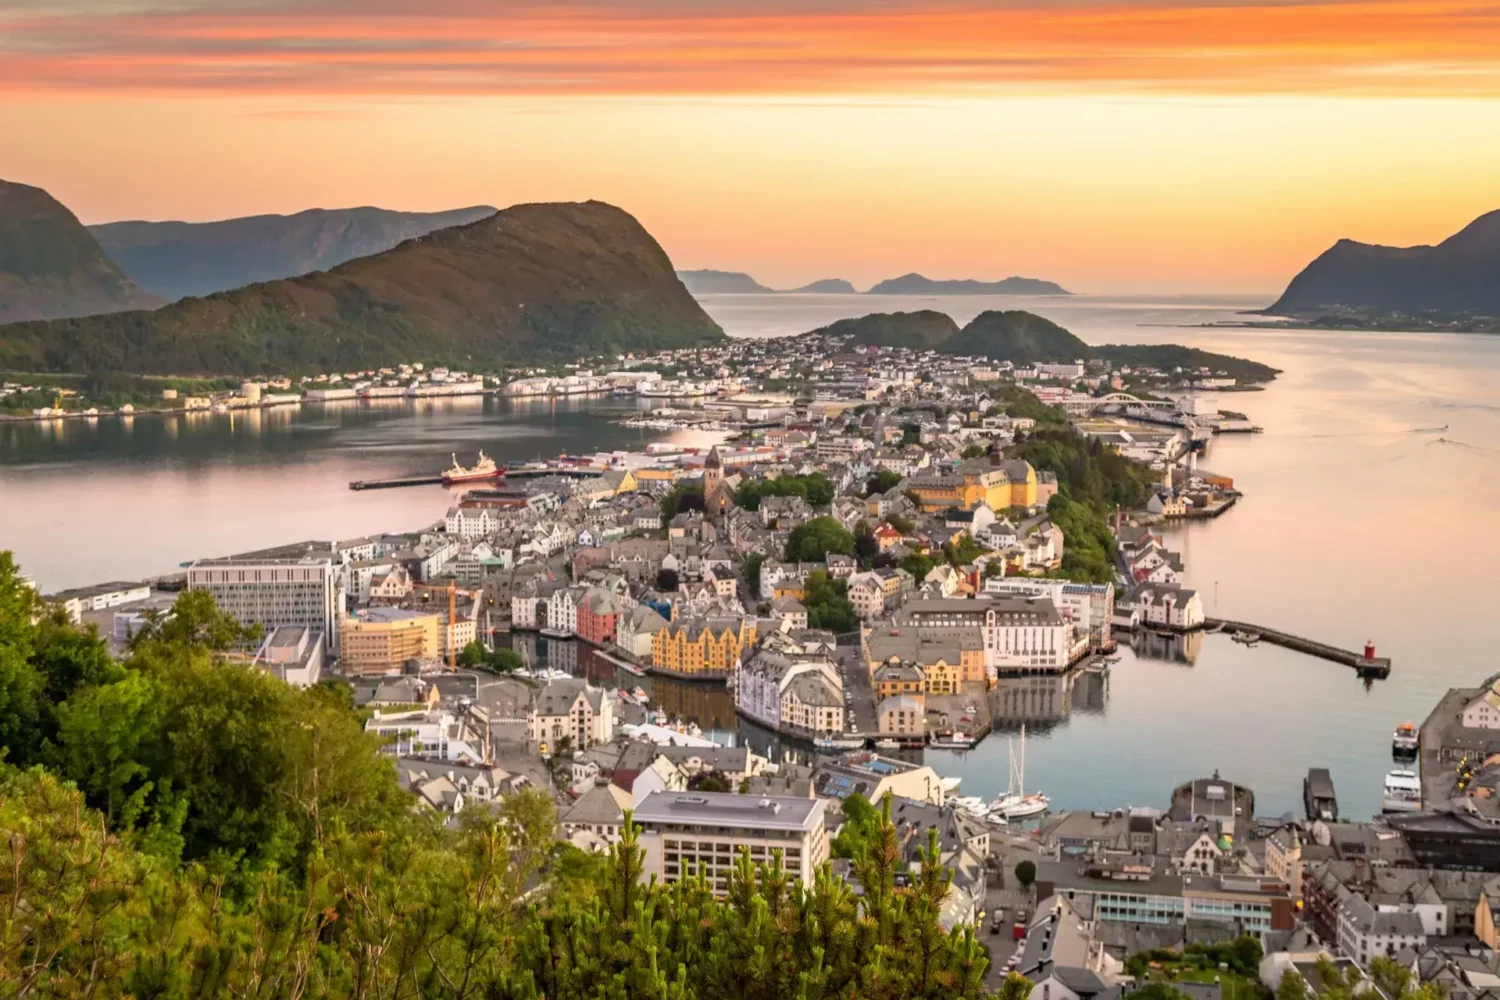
(714, 499)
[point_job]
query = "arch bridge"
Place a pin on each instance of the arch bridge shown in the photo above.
(1083, 406)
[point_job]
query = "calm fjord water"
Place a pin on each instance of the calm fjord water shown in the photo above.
(1360, 521)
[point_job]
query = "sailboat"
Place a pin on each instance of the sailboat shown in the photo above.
(1015, 803)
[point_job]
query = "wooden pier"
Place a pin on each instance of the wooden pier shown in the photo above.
(1366, 666)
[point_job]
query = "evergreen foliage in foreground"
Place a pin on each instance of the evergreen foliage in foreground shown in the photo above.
(177, 826)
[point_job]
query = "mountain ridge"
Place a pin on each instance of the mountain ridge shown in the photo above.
(548, 281)
(51, 267)
(1459, 276)
(180, 259)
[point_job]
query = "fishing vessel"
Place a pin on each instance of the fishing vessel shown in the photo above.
(1404, 742)
(887, 744)
(1248, 638)
(484, 468)
(1403, 791)
(1015, 803)
(956, 740)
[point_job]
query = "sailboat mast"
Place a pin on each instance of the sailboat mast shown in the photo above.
(1021, 777)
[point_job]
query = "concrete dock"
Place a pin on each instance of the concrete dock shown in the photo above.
(1366, 666)
(386, 484)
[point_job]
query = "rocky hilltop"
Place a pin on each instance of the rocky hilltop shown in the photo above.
(531, 283)
(1363, 281)
(1024, 338)
(51, 267)
(916, 284)
(925, 329)
(178, 259)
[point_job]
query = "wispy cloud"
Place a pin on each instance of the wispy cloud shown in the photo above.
(748, 49)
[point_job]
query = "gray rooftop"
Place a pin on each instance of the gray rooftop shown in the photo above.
(736, 811)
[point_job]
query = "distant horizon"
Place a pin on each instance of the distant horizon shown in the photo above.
(787, 279)
(1155, 144)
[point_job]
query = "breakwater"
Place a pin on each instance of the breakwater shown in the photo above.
(1366, 665)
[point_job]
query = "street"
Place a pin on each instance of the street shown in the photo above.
(861, 696)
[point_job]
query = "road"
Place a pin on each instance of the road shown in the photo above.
(857, 685)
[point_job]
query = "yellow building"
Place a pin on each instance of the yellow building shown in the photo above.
(943, 660)
(1009, 484)
(382, 640)
(702, 647)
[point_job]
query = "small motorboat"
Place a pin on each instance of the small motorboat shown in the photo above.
(1405, 741)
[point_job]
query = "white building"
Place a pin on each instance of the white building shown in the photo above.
(428, 733)
(275, 592)
(636, 628)
(804, 696)
(1484, 711)
(471, 522)
(573, 709)
(100, 598)
(526, 610)
(704, 833)
(562, 611)
(1088, 607)
(867, 594)
(1021, 634)
(1166, 606)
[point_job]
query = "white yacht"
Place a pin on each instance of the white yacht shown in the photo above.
(1403, 791)
(1015, 803)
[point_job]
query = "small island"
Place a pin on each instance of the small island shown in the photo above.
(917, 284)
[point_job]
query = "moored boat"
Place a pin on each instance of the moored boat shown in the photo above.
(1015, 803)
(1405, 741)
(484, 468)
(1403, 791)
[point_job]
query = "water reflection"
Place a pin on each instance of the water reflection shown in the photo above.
(1180, 648)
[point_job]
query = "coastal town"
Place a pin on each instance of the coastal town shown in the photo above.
(878, 551)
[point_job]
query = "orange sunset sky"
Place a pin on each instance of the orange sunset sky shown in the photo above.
(1115, 146)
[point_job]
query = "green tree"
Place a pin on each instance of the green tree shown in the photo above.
(507, 661)
(752, 571)
(1292, 986)
(1088, 544)
(1026, 873)
(195, 620)
(811, 540)
(861, 824)
(1014, 987)
(1156, 990)
(882, 481)
(828, 605)
(918, 565)
(682, 497)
